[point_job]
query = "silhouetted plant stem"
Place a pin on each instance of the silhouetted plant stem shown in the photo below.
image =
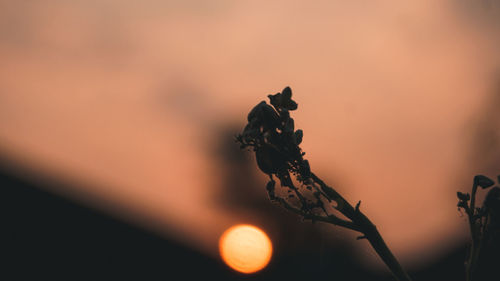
(271, 134)
(473, 251)
(363, 224)
(479, 221)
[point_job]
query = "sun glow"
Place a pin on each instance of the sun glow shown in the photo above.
(245, 248)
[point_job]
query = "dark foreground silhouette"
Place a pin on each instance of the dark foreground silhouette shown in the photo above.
(49, 237)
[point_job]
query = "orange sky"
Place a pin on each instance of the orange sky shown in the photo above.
(122, 96)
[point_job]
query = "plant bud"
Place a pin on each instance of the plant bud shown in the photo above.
(483, 181)
(463, 196)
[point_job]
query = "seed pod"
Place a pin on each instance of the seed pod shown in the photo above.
(483, 181)
(286, 93)
(254, 113)
(286, 99)
(269, 117)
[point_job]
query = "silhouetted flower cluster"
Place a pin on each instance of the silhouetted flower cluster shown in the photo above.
(271, 133)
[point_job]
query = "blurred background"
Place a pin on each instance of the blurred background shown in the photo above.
(117, 124)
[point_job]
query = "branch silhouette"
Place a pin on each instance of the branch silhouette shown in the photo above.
(484, 225)
(271, 134)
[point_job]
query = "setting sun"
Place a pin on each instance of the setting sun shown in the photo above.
(245, 248)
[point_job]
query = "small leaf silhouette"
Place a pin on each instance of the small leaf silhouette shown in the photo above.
(462, 204)
(463, 196)
(286, 93)
(298, 137)
(283, 100)
(287, 102)
(483, 181)
(275, 100)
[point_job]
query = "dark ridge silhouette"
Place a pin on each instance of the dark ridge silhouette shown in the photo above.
(48, 237)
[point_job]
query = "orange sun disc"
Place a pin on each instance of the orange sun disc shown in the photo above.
(245, 248)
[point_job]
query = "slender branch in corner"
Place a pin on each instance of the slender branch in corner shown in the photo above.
(484, 223)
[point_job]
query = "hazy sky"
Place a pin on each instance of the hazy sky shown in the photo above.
(122, 97)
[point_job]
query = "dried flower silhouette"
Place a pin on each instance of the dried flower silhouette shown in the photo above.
(271, 134)
(484, 224)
